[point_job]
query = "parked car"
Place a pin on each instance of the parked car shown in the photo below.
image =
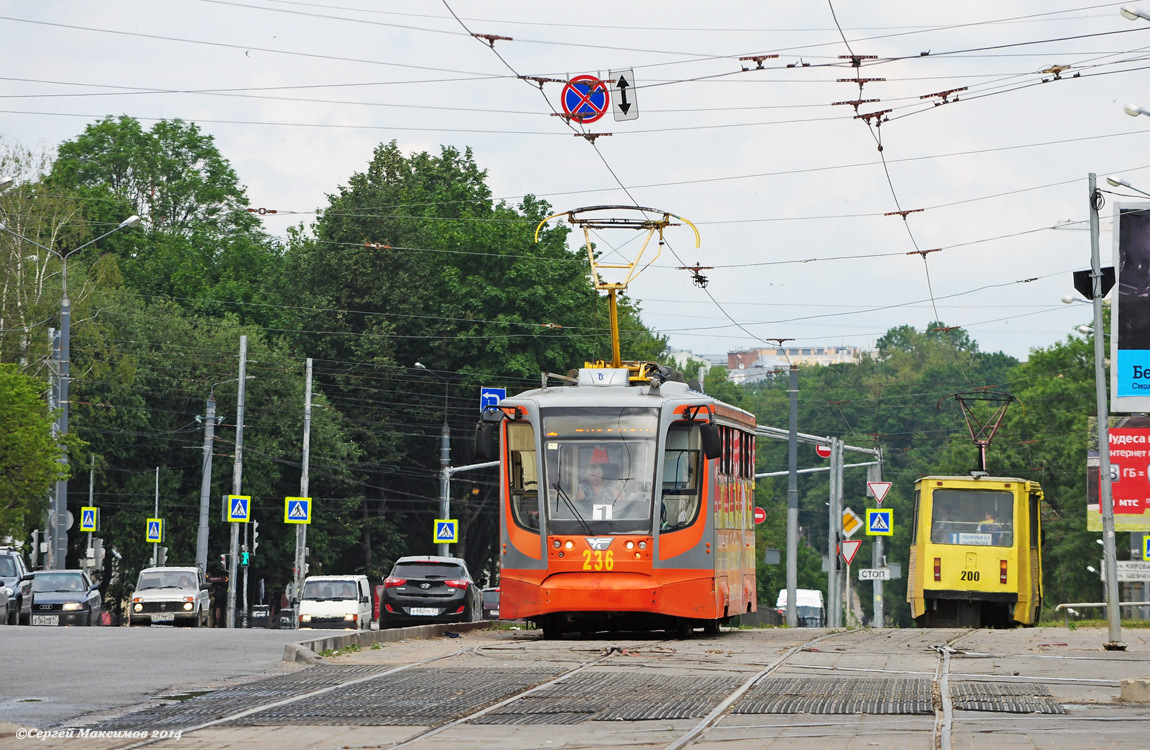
(335, 602)
(16, 580)
(65, 597)
(491, 603)
(4, 618)
(177, 595)
(429, 589)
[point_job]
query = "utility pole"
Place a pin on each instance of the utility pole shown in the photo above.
(445, 474)
(301, 529)
(793, 501)
(878, 560)
(53, 404)
(1109, 549)
(205, 485)
(237, 476)
(91, 503)
(156, 514)
(834, 523)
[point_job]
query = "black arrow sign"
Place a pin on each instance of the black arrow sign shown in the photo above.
(623, 103)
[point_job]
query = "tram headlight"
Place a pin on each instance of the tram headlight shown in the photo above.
(642, 545)
(569, 544)
(630, 545)
(556, 544)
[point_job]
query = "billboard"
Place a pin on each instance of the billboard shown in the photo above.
(1129, 475)
(1130, 311)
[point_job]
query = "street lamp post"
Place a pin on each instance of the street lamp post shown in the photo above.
(444, 457)
(59, 548)
(1106, 498)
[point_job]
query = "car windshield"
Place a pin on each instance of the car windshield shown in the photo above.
(166, 579)
(437, 571)
(45, 583)
(319, 591)
(7, 567)
(599, 469)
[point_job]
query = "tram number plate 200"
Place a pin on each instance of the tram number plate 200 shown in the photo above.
(598, 560)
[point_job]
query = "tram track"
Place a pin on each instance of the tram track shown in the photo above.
(599, 656)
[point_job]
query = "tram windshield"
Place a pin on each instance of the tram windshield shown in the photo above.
(974, 517)
(599, 469)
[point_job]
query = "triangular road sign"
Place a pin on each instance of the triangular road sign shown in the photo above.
(849, 548)
(879, 490)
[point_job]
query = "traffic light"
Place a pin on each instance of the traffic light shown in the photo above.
(162, 556)
(224, 562)
(255, 536)
(244, 558)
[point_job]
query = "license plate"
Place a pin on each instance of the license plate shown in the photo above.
(164, 617)
(45, 620)
(425, 611)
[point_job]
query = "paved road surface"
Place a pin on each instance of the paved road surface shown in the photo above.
(51, 675)
(1036, 688)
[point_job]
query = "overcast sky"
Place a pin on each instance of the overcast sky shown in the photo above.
(787, 188)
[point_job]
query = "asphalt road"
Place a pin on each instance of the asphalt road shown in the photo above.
(50, 675)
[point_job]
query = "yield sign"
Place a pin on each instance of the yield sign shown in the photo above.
(878, 490)
(586, 98)
(849, 548)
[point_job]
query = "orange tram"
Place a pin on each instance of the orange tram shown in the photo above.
(626, 503)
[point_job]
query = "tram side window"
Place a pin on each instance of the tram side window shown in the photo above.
(680, 491)
(914, 520)
(1034, 520)
(972, 517)
(524, 471)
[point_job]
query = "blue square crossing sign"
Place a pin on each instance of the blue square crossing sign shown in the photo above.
(297, 510)
(89, 518)
(239, 508)
(155, 533)
(446, 531)
(879, 522)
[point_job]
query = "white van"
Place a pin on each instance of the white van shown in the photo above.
(809, 603)
(335, 602)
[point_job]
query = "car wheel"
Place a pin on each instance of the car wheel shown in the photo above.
(13, 615)
(25, 619)
(196, 621)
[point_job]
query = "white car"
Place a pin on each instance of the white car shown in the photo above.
(335, 602)
(176, 596)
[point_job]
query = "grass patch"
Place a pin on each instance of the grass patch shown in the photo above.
(376, 646)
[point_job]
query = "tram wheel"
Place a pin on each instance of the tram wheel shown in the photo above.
(552, 628)
(681, 628)
(711, 627)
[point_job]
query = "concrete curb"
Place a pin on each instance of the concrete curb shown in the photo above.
(306, 652)
(1135, 691)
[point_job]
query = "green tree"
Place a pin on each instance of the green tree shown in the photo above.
(201, 245)
(29, 453)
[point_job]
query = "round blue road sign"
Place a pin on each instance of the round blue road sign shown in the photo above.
(586, 98)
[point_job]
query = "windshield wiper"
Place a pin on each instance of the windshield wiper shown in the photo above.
(570, 505)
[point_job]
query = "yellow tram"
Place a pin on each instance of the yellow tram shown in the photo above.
(976, 552)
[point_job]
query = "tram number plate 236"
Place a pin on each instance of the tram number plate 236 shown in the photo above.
(598, 560)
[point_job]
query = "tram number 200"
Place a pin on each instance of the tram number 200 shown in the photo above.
(598, 560)
(970, 575)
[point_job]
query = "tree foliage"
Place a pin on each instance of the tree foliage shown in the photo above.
(29, 453)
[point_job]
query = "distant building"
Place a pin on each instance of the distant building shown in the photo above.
(755, 365)
(682, 358)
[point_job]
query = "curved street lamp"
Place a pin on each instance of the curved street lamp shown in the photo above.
(59, 547)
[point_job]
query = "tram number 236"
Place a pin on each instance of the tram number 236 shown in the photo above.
(970, 575)
(598, 560)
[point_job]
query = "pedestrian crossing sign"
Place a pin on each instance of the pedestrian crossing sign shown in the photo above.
(89, 518)
(297, 510)
(239, 508)
(155, 533)
(878, 522)
(446, 531)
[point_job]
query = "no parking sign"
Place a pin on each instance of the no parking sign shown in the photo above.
(586, 98)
